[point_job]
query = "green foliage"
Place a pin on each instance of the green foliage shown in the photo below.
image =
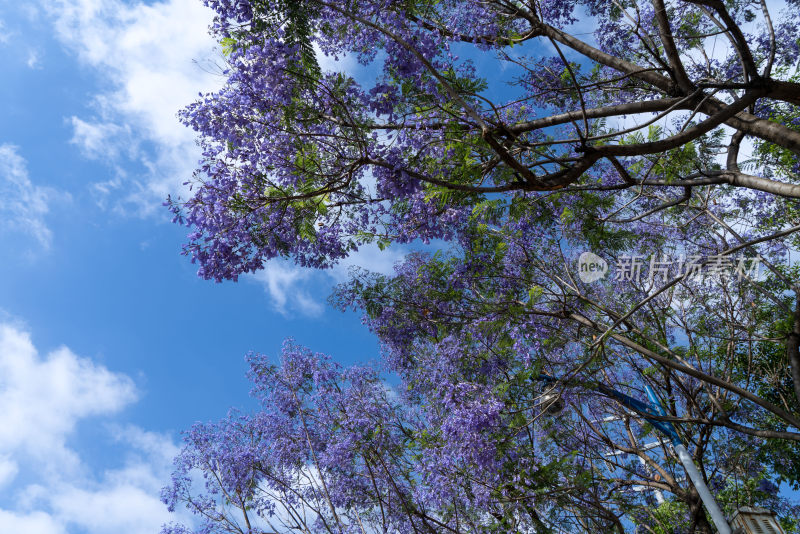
(228, 45)
(295, 18)
(670, 517)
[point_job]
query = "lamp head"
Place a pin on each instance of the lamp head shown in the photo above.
(552, 403)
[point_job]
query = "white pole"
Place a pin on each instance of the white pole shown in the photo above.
(697, 479)
(691, 470)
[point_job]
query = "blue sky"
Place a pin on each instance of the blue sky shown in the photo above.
(109, 343)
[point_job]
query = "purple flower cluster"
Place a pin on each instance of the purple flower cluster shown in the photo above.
(311, 165)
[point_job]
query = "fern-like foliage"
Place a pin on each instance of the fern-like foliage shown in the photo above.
(295, 18)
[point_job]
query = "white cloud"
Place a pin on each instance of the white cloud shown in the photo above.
(286, 286)
(146, 53)
(31, 523)
(4, 36)
(115, 508)
(23, 205)
(98, 140)
(8, 469)
(42, 398)
(34, 59)
(120, 500)
(128, 496)
(150, 448)
(369, 257)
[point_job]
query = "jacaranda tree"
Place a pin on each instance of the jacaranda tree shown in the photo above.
(536, 144)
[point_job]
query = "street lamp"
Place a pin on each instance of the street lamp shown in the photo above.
(648, 412)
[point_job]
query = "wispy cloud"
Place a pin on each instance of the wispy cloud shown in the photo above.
(371, 258)
(4, 36)
(102, 140)
(23, 205)
(34, 59)
(148, 54)
(289, 287)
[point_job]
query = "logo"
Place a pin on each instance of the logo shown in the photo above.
(591, 267)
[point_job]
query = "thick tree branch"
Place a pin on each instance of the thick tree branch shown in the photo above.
(685, 369)
(736, 32)
(643, 106)
(678, 71)
(750, 124)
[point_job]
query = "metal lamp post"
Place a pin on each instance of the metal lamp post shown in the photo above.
(668, 429)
